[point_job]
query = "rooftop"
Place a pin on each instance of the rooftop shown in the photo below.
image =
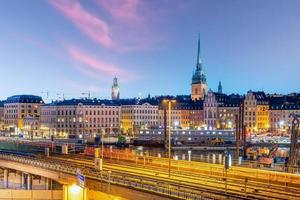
(24, 99)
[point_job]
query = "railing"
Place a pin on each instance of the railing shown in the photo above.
(268, 176)
(236, 184)
(135, 181)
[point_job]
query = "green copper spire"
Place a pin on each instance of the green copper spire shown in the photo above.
(199, 76)
(198, 53)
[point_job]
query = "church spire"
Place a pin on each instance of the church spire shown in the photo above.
(199, 75)
(198, 53)
(199, 85)
(220, 88)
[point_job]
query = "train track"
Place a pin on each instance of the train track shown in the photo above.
(181, 185)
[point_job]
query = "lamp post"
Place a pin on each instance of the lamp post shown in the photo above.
(102, 143)
(169, 132)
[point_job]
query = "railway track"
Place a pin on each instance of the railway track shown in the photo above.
(207, 181)
(181, 185)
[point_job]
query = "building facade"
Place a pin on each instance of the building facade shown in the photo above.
(256, 112)
(229, 112)
(191, 114)
(18, 107)
(221, 110)
(199, 85)
(77, 118)
(138, 116)
(281, 110)
(175, 117)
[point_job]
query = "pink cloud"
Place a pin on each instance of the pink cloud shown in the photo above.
(97, 68)
(123, 10)
(91, 25)
(93, 63)
(134, 25)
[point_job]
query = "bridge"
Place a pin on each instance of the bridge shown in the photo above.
(126, 173)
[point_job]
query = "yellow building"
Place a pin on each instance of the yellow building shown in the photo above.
(256, 112)
(138, 116)
(263, 117)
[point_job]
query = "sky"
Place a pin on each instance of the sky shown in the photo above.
(68, 48)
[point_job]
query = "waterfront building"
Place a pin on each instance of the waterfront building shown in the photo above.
(210, 106)
(115, 90)
(256, 112)
(18, 107)
(77, 118)
(282, 107)
(191, 114)
(138, 114)
(199, 85)
(31, 126)
(229, 112)
(221, 110)
(163, 115)
(185, 112)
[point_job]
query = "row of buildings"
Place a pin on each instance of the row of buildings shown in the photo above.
(256, 111)
(76, 117)
(259, 112)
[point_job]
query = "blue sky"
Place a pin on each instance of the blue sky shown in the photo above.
(73, 47)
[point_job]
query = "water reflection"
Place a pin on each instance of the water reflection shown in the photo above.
(215, 157)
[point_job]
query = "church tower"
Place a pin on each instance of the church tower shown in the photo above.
(115, 90)
(199, 85)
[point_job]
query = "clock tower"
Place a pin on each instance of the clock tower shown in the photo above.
(115, 90)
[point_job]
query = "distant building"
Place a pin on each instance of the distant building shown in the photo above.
(31, 126)
(256, 112)
(199, 85)
(191, 114)
(185, 112)
(138, 115)
(175, 116)
(220, 110)
(76, 118)
(115, 90)
(211, 103)
(229, 112)
(18, 107)
(281, 109)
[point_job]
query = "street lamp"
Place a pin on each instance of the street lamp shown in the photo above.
(169, 130)
(102, 143)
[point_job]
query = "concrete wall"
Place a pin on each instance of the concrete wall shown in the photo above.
(6, 194)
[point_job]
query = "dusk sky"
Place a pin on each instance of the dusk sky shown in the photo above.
(73, 47)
